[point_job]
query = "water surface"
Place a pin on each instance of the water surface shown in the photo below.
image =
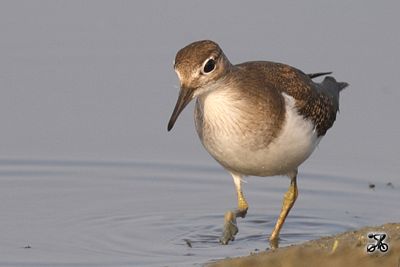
(105, 213)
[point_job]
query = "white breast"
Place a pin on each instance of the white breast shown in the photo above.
(294, 144)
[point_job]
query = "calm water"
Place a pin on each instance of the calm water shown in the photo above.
(83, 213)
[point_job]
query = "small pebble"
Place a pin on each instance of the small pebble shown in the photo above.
(188, 242)
(371, 186)
(335, 245)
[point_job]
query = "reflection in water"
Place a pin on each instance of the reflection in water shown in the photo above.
(73, 213)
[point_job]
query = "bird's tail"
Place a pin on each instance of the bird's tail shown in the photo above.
(329, 82)
(330, 86)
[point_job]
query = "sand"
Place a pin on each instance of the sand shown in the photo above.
(346, 249)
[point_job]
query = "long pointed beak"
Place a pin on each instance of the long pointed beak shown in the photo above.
(185, 95)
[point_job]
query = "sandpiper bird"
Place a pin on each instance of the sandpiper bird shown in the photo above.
(256, 118)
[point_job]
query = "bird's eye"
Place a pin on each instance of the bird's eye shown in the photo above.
(209, 66)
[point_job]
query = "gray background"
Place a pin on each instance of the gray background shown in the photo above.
(93, 80)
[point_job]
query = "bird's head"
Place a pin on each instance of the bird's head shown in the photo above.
(198, 65)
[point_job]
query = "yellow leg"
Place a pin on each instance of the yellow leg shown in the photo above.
(242, 203)
(288, 202)
(230, 226)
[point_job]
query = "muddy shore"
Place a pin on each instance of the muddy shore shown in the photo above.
(345, 249)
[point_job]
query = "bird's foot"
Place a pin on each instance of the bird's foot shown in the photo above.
(230, 228)
(274, 243)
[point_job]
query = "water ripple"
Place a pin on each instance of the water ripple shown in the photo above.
(82, 213)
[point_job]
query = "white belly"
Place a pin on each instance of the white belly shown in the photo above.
(293, 145)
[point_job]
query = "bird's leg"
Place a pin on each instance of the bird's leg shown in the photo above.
(230, 226)
(288, 202)
(242, 208)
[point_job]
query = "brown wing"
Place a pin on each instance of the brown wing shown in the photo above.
(318, 102)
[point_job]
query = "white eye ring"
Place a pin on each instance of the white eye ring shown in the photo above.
(208, 66)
